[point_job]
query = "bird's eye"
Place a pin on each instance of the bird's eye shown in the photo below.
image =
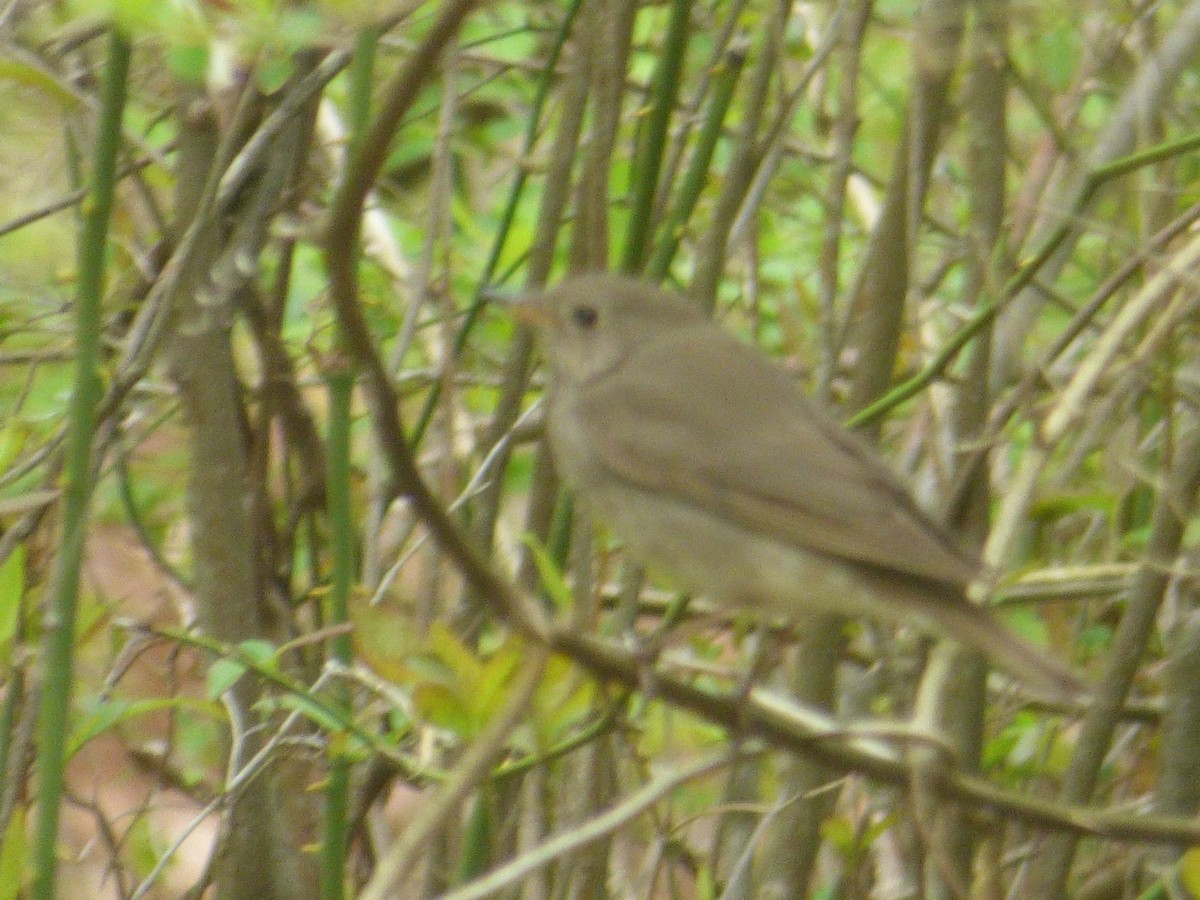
(585, 316)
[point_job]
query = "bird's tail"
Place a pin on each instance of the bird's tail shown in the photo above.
(976, 627)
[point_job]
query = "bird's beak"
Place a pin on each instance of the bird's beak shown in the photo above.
(529, 312)
(528, 309)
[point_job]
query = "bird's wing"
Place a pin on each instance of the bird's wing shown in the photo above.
(752, 448)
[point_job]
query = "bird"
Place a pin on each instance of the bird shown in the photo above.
(709, 463)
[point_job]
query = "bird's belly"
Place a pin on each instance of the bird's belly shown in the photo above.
(710, 556)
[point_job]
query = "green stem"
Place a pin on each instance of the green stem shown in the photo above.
(340, 380)
(724, 82)
(650, 152)
(58, 653)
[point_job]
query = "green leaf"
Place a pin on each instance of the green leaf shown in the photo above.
(1189, 871)
(12, 855)
(262, 653)
(109, 713)
(1027, 622)
(877, 828)
(840, 833)
(494, 680)
(15, 431)
(313, 710)
(465, 668)
(188, 62)
(563, 699)
(443, 707)
(103, 716)
(548, 571)
(274, 73)
(12, 589)
(222, 675)
(476, 841)
(1057, 51)
(23, 73)
(144, 843)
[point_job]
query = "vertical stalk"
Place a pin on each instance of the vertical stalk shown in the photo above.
(58, 654)
(340, 380)
(725, 79)
(653, 144)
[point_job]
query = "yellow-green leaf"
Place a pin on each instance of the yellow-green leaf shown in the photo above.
(552, 578)
(464, 665)
(1189, 871)
(222, 675)
(443, 707)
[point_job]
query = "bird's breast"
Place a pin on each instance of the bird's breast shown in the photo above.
(575, 457)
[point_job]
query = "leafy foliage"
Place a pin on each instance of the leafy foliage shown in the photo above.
(971, 173)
